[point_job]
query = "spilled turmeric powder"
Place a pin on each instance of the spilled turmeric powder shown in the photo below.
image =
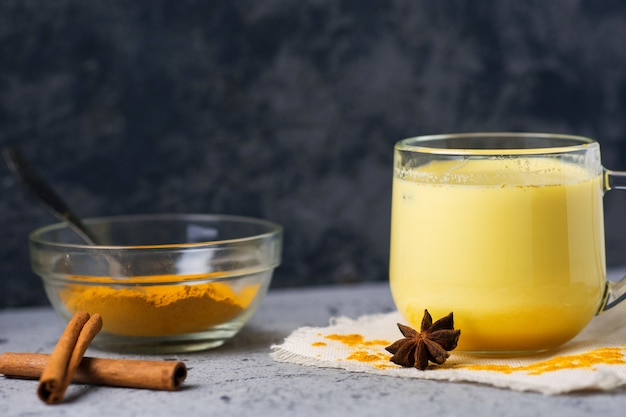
(355, 340)
(159, 310)
(364, 356)
(361, 349)
(587, 360)
(348, 339)
(371, 351)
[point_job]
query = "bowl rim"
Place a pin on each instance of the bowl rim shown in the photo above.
(273, 230)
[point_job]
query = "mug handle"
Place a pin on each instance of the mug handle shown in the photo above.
(615, 291)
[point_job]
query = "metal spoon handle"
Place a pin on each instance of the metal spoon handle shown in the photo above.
(31, 179)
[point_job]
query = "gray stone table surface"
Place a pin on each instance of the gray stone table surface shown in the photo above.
(241, 379)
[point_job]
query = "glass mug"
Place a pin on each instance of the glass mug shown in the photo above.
(506, 230)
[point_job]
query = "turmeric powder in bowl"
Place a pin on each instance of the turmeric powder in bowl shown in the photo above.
(160, 310)
(162, 283)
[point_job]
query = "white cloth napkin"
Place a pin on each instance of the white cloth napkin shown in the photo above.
(358, 345)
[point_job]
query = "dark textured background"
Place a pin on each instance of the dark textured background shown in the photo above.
(287, 110)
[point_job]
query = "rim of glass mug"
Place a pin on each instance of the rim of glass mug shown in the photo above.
(522, 143)
(496, 143)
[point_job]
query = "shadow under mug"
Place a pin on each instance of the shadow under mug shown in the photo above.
(506, 230)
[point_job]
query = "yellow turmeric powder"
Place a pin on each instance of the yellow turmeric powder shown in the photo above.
(159, 310)
(367, 351)
(365, 356)
(348, 339)
(355, 340)
(587, 360)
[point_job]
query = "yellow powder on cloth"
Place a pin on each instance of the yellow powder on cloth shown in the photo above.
(587, 360)
(594, 361)
(361, 349)
(355, 339)
(159, 310)
(364, 356)
(348, 339)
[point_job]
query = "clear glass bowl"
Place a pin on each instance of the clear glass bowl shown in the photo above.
(162, 283)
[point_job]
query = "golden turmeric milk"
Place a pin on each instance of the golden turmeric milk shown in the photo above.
(159, 310)
(519, 259)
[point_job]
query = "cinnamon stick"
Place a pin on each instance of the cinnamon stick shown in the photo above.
(128, 373)
(66, 356)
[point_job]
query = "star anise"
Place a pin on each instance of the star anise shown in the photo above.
(432, 343)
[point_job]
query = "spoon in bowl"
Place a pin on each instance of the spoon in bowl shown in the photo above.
(44, 193)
